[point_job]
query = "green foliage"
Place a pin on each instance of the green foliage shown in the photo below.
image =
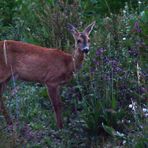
(108, 94)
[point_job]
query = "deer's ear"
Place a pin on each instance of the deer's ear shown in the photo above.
(73, 30)
(89, 28)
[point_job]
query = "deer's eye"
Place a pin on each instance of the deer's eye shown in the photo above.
(78, 41)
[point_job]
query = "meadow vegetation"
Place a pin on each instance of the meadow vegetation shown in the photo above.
(106, 103)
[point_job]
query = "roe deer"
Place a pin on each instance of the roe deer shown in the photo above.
(49, 66)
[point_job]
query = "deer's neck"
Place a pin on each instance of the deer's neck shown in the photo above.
(77, 58)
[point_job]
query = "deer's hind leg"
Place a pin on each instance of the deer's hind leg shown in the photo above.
(3, 109)
(5, 75)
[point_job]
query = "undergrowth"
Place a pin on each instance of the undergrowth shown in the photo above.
(105, 104)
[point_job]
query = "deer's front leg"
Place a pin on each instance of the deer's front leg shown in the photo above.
(53, 92)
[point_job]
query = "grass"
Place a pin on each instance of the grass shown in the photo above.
(105, 104)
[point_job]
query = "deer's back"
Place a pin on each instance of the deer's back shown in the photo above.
(34, 63)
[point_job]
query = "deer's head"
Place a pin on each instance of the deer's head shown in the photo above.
(82, 41)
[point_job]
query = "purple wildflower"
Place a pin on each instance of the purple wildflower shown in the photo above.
(100, 51)
(106, 59)
(143, 90)
(114, 62)
(117, 69)
(95, 62)
(27, 132)
(92, 70)
(137, 27)
(133, 52)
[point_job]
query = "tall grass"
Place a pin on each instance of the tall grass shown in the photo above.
(107, 97)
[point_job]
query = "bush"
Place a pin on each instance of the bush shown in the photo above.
(107, 96)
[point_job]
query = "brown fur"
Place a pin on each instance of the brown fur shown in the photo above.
(31, 63)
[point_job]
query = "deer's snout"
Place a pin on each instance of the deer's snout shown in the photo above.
(86, 49)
